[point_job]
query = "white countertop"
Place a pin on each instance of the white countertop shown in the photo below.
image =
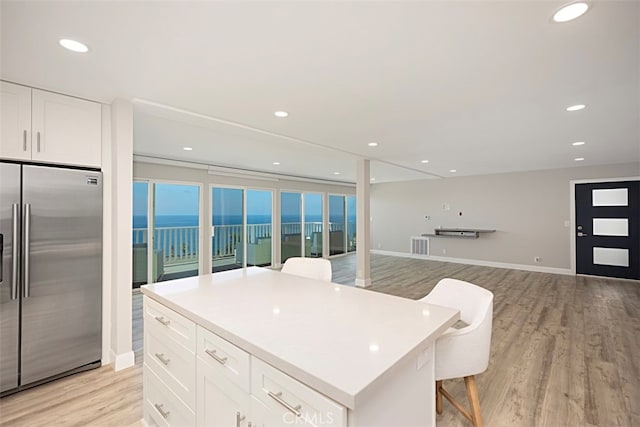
(336, 339)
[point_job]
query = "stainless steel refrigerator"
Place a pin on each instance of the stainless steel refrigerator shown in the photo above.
(51, 273)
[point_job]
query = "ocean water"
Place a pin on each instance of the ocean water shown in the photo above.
(192, 220)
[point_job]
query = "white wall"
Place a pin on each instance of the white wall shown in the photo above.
(529, 211)
(183, 171)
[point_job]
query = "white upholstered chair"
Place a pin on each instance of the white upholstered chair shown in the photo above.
(463, 353)
(313, 268)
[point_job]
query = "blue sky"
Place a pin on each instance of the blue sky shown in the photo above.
(177, 199)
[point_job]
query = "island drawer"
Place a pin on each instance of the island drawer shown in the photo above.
(289, 399)
(173, 363)
(224, 357)
(161, 406)
(169, 323)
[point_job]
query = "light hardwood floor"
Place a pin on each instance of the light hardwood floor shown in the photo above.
(565, 352)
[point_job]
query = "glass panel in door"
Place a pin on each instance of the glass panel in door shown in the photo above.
(290, 225)
(227, 231)
(140, 232)
(259, 219)
(313, 225)
(175, 231)
(336, 225)
(351, 223)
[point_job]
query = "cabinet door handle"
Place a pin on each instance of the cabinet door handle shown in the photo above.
(24, 140)
(38, 141)
(164, 413)
(161, 358)
(162, 320)
(278, 398)
(213, 354)
(240, 418)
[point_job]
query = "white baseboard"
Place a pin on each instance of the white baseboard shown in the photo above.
(123, 361)
(525, 267)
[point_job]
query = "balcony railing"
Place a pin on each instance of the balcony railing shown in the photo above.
(179, 245)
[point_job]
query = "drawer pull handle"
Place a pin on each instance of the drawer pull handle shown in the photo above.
(240, 418)
(162, 320)
(212, 353)
(161, 358)
(278, 398)
(164, 413)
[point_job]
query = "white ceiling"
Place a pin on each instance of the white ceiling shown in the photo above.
(480, 87)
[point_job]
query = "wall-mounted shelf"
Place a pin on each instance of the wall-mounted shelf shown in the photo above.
(465, 233)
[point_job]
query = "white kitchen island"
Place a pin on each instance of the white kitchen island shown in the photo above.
(256, 347)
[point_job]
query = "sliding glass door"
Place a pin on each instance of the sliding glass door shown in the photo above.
(351, 223)
(172, 213)
(301, 225)
(228, 228)
(290, 225)
(259, 220)
(176, 231)
(337, 227)
(242, 227)
(140, 234)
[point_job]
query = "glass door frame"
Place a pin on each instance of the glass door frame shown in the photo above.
(345, 224)
(303, 207)
(325, 201)
(151, 220)
(245, 215)
(244, 189)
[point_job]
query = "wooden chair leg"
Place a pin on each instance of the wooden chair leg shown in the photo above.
(438, 397)
(474, 401)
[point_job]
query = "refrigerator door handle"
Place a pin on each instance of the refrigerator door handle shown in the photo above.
(16, 253)
(27, 247)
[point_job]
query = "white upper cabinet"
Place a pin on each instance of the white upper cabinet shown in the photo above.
(50, 128)
(15, 121)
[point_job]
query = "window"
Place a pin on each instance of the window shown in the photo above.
(239, 241)
(176, 231)
(337, 226)
(290, 225)
(313, 224)
(140, 232)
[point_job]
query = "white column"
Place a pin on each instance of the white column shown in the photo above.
(363, 230)
(107, 241)
(121, 212)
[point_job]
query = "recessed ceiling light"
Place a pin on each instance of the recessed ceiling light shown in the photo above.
(276, 163)
(281, 114)
(372, 144)
(372, 179)
(578, 143)
(74, 46)
(424, 161)
(187, 148)
(570, 11)
(579, 159)
(453, 170)
(576, 107)
(336, 173)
